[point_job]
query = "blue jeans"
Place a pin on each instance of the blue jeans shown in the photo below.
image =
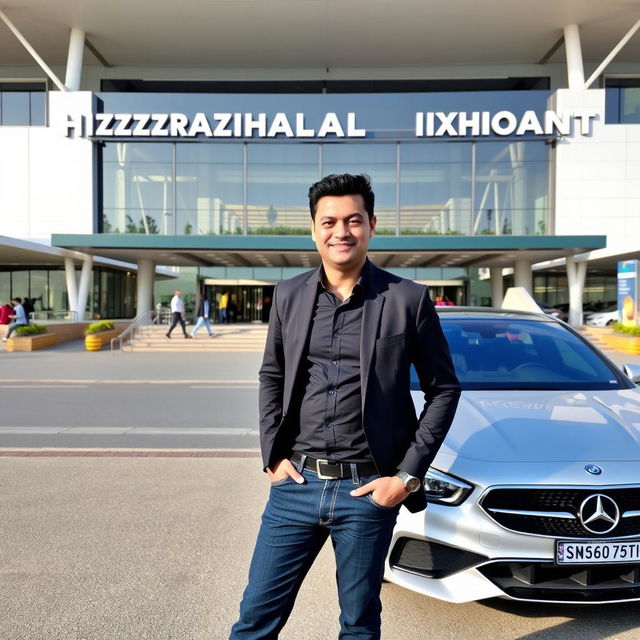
(202, 322)
(12, 327)
(296, 522)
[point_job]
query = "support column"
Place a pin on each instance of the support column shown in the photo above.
(72, 284)
(523, 276)
(576, 274)
(144, 287)
(83, 290)
(573, 49)
(497, 287)
(74, 59)
(34, 54)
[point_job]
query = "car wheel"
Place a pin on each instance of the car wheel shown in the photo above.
(611, 323)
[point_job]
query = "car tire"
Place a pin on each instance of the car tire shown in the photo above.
(611, 323)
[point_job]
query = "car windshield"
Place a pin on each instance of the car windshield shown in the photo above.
(513, 353)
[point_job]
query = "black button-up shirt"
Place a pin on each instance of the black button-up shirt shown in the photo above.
(331, 407)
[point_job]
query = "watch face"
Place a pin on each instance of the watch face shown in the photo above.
(412, 485)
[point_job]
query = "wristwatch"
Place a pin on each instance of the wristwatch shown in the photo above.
(411, 483)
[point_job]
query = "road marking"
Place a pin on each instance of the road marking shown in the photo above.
(43, 386)
(221, 386)
(117, 452)
(209, 383)
(210, 431)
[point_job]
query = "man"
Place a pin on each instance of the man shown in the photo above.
(177, 314)
(5, 313)
(222, 307)
(340, 441)
(203, 313)
(19, 317)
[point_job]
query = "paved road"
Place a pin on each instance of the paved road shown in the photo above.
(129, 415)
(67, 397)
(98, 548)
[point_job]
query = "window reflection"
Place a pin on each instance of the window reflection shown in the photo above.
(278, 180)
(497, 187)
(378, 161)
(435, 188)
(138, 188)
(510, 188)
(209, 183)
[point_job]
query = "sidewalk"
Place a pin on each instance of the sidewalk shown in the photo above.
(70, 362)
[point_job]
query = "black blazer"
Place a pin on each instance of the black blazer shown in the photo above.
(399, 327)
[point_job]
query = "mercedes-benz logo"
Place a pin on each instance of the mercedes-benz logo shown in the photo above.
(599, 514)
(593, 469)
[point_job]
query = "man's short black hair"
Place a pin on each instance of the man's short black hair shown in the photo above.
(18, 300)
(342, 184)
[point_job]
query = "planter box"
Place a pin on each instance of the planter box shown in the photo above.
(623, 344)
(32, 343)
(97, 341)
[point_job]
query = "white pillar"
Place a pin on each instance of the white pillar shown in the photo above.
(74, 59)
(72, 284)
(144, 287)
(497, 287)
(83, 290)
(523, 276)
(576, 274)
(573, 49)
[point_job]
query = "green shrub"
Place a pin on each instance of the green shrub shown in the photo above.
(631, 331)
(30, 330)
(98, 327)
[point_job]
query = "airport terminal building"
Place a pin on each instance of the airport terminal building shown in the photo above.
(155, 145)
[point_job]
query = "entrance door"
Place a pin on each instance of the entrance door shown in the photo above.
(246, 303)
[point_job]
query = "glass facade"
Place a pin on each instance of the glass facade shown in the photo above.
(257, 182)
(180, 188)
(22, 104)
(622, 100)
(111, 293)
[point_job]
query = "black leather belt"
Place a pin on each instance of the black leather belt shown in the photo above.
(333, 470)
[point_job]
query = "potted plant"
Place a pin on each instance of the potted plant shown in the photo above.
(98, 334)
(29, 330)
(624, 339)
(31, 337)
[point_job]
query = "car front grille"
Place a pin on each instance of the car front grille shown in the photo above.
(576, 583)
(556, 511)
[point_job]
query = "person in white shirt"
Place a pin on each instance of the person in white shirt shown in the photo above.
(177, 314)
(18, 315)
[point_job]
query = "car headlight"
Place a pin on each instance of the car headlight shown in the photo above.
(445, 489)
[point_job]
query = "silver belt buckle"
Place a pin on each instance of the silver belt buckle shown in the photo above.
(320, 475)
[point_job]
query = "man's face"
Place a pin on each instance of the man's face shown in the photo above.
(178, 292)
(342, 230)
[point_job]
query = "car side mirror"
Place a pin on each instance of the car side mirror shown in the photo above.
(632, 371)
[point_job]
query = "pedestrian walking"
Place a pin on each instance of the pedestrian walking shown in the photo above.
(203, 313)
(177, 314)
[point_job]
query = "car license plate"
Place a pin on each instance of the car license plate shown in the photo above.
(597, 551)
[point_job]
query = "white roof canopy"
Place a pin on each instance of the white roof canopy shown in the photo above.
(318, 33)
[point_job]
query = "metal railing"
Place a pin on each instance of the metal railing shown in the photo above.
(72, 316)
(144, 319)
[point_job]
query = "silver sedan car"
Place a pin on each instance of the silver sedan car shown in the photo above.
(535, 493)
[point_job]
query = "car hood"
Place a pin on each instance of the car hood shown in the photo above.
(544, 426)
